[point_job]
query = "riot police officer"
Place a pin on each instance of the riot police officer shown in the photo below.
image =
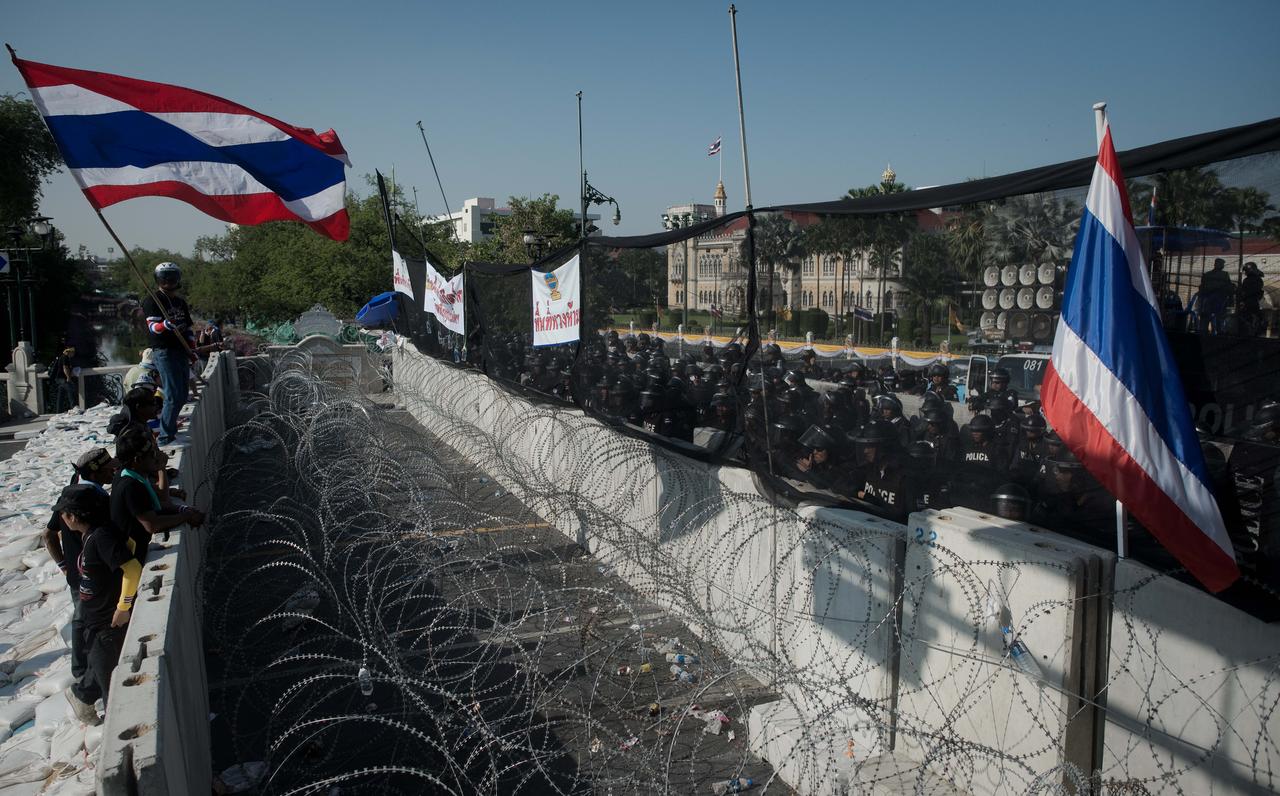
(938, 384)
(1012, 502)
(999, 389)
(882, 477)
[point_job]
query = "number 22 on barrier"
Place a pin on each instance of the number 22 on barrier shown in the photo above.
(932, 537)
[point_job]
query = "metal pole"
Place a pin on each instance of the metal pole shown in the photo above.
(742, 124)
(31, 304)
(746, 185)
(1122, 519)
(582, 172)
(447, 212)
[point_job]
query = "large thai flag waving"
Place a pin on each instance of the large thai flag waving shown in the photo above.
(1112, 389)
(123, 138)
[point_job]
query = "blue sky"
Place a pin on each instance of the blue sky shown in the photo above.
(942, 90)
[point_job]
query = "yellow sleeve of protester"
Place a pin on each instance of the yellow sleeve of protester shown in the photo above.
(129, 583)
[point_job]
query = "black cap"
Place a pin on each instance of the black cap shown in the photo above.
(82, 499)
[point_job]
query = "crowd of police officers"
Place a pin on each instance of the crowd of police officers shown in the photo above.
(842, 430)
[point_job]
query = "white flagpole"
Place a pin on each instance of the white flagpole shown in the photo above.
(1122, 516)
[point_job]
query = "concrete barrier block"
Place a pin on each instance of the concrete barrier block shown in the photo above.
(1191, 702)
(964, 705)
(813, 755)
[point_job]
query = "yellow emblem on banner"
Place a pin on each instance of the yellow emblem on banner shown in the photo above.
(553, 283)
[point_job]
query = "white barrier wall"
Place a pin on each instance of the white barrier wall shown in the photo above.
(885, 641)
(156, 735)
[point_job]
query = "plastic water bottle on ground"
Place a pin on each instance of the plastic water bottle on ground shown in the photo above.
(680, 658)
(366, 681)
(735, 785)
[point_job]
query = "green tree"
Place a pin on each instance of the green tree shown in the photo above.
(778, 245)
(539, 216)
(28, 156)
(1031, 228)
(927, 275)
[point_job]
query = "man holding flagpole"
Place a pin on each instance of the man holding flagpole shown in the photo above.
(1112, 390)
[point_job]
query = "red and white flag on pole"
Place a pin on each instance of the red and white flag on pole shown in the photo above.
(1112, 390)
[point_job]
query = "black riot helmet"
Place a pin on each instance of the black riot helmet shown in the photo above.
(938, 369)
(874, 440)
(818, 438)
(1033, 426)
(936, 417)
(981, 424)
(1000, 374)
(889, 403)
(1012, 502)
(786, 431)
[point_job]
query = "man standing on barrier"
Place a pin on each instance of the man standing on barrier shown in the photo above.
(172, 344)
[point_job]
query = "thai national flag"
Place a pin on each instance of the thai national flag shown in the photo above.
(123, 138)
(1112, 389)
(714, 149)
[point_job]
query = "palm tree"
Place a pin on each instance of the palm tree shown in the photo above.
(885, 233)
(1031, 228)
(777, 243)
(927, 274)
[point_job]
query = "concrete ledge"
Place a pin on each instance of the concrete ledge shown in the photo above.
(156, 736)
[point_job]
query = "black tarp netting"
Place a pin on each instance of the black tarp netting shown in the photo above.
(886, 351)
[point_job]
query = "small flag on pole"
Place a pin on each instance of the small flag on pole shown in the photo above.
(1151, 211)
(955, 319)
(124, 138)
(1112, 390)
(863, 314)
(716, 312)
(714, 149)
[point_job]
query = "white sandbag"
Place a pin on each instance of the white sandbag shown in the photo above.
(92, 740)
(35, 558)
(24, 789)
(80, 784)
(16, 713)
(53, 585)
(8, 617)
(56, 679)
(16, 596)
(28, 646)
(52, 713)
(11, 563)
(19, 765)
(40, 663)
(38, 618)
(21, 545)
(17, 688)
(66, 745)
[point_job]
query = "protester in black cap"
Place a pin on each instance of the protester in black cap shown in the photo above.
(95, 468)
(136, 509)
(109, 575)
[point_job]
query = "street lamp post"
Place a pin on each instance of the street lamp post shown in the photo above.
(21, 277)
(587, 193)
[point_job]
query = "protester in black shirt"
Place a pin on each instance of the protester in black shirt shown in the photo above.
(62, 373)
(136, 509)
(109, 575)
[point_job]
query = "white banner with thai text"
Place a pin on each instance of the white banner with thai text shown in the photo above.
(444, 300)
(400, 274)
(557, 311)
